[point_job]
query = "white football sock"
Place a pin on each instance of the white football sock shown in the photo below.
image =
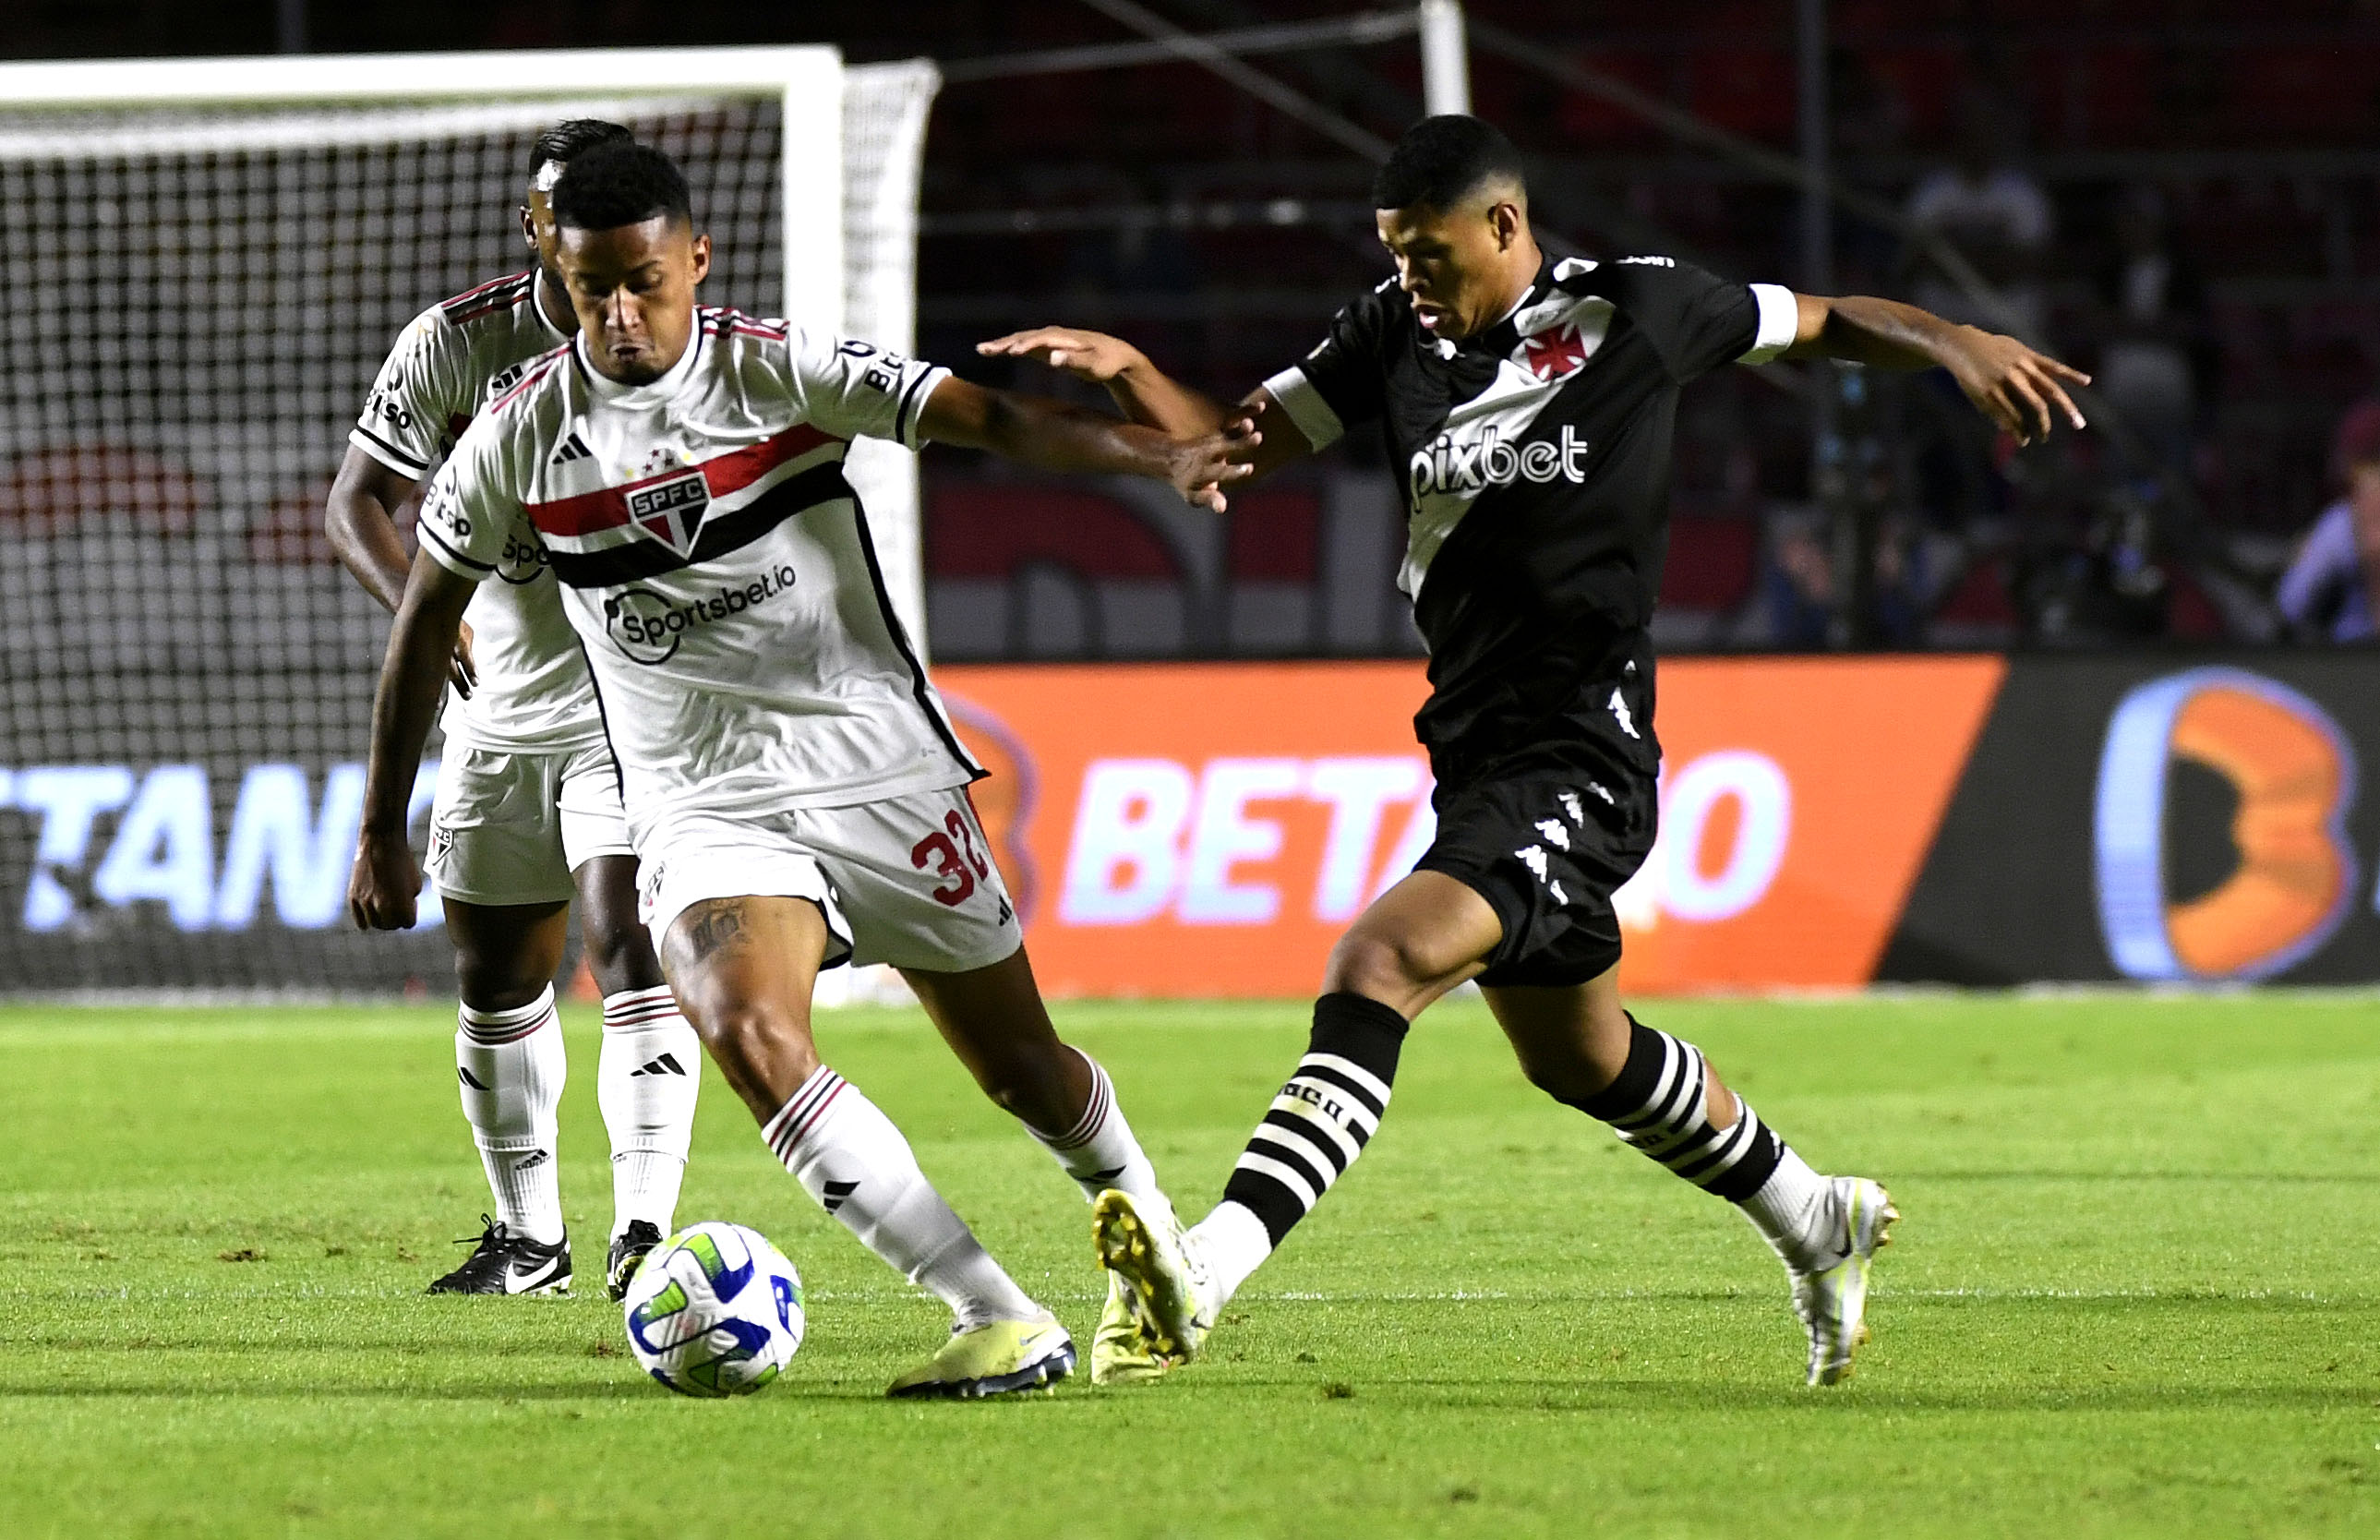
(1788, 1210)
(848, 1155)
(1100, 1151)
(1234, 1242)
(511, 1066)
(646, 1083)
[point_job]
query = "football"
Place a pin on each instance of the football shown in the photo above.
(715, 1311)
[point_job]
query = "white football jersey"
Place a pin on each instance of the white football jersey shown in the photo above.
(533, 696)
(716, 565)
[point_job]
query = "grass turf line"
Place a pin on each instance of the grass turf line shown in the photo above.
(2134, 1293)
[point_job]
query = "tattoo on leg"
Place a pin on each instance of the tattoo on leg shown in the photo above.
(715, 929)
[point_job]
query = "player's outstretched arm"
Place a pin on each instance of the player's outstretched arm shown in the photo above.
(1051, 435)
(384, 886)
(360, 519)
(1150, 397)
(2021, 390)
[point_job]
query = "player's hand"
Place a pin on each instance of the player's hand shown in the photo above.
(2020, 390)
(1092, 355)
(463, 672)
(385, 885)
(1203, 468)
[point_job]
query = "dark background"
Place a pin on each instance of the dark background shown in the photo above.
(2250, 126)
(2008, 892)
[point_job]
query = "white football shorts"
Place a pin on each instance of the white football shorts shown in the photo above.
(909, 881)
(508, 828)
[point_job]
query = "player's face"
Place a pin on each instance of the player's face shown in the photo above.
(633, 289)
(1457, 266)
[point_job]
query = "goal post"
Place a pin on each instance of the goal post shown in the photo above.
(209, 258)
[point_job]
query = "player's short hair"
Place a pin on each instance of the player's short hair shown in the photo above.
(1441, 161)
(619, 184)
(572, 138)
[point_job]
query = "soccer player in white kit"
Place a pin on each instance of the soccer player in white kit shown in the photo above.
(527, 806)
(794, 791)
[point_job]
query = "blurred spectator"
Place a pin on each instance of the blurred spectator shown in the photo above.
(2332, 589)
(2154, 329)
(1798, 587)
(1996, 214)
(1798, 583)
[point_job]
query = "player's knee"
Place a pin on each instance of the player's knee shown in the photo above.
(1383, 968)
(1563, 1076)
(737, 1028)
(1026, 1087)
(495, 983)
(619, 957)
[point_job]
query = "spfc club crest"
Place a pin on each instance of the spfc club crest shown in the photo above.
(672, 510)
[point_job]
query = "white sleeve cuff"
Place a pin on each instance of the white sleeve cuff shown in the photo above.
(387, 454)
(1781, 320)
(446, 556)
(1305, 408)
(908, 431)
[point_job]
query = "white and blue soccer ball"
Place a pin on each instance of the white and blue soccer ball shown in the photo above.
(715, 1310)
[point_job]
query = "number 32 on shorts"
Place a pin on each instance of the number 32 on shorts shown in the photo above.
(938, 853)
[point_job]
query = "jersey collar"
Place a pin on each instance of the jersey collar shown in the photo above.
(608, 390)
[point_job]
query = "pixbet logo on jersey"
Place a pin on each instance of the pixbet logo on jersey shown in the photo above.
(1452, 466)
(647, 626)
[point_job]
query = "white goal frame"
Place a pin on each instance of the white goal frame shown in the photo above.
(809, 82)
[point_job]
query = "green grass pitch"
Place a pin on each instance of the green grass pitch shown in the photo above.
(2134, 1293)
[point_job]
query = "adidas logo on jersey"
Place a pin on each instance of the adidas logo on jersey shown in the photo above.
(1449, 466)
(573, 448)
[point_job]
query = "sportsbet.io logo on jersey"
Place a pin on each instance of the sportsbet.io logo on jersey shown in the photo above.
(1451, 465)
(647, 627)
(524, 558)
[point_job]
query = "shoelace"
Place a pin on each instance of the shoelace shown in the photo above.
(491, 1232)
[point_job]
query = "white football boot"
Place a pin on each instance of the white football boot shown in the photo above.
(1168, 1286)
(1832, 1301)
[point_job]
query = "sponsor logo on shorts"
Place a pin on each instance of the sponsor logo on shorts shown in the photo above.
(647, 627)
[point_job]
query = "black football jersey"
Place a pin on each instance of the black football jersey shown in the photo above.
(1536, 462)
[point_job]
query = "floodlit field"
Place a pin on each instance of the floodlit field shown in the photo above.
(2137, 1291)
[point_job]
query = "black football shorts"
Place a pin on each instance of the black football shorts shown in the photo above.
(1547, 849)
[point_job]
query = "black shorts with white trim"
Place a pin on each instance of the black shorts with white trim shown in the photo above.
(1546, 848)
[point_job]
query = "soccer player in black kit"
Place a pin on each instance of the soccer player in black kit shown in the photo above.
(1530, 406)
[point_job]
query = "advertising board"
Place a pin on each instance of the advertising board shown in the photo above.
(1209, 830)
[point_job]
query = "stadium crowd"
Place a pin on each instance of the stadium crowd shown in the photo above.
(2163, 201)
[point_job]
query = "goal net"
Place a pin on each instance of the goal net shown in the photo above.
(200, 289)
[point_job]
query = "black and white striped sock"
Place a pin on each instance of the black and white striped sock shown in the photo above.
(1659, 1104)
(1324, 1117)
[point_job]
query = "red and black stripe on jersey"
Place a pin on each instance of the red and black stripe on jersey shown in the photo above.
(574, 518)
(496, 294)
(719, 320)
